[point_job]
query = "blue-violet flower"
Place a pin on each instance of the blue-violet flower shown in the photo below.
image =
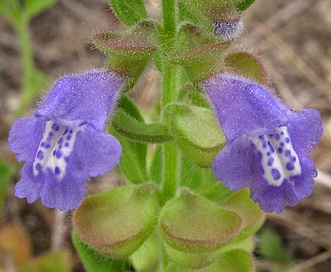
(64, 143)
(267, 142)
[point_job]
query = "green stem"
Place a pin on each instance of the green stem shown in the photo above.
(23, 33)
(169, 10)
(169, 95)
(171, 75)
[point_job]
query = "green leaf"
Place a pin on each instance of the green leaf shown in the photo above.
(133, 158)
(155, 169)
(185, 15)
(236, 261)
(6, 172)
(53, 261)
(242, 5)
(137, 131)
(271, 247)
(93, 261)
(129, 12)
(2, 7)
(130, 108)
(35, 7)
(11, 10)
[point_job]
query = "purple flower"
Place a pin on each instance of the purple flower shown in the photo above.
(64, 143)
(267, 142)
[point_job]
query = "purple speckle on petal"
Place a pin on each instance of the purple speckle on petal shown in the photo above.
(270, 161)
(275, 173)
(66, 144)
(68, 137)
(38, 167)
(293, 159)
(57, 170)
(287, 140)
(40, 155)
(289, 166)
(55, 127)
(280, 150)
(288, 153)
(58, 154)
(271, 147)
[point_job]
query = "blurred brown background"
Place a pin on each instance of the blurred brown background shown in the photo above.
(293, 38)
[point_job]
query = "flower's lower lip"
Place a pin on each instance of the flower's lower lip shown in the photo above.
(279, 160)
(54, 149)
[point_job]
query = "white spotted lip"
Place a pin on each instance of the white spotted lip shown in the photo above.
(54, 149)
(279, 160)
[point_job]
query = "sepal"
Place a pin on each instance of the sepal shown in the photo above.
(129, 51)
(251, 215)
(198, 53)
(219, 16)
(117, 222)
(246, 65)
(194, 228)
(196, 132)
